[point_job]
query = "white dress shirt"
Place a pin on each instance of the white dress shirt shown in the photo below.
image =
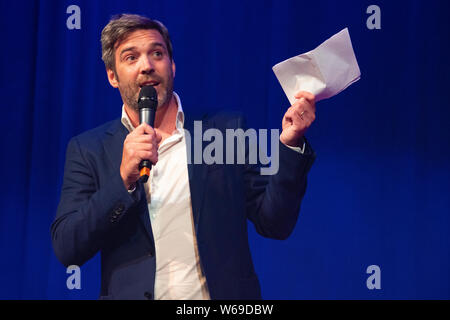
(179, 273)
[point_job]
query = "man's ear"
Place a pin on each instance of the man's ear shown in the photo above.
(112, 78)
(173, 68)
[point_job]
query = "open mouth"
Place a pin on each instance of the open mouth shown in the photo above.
(149, 83)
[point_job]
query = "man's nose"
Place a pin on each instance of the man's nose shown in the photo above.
(146, 65)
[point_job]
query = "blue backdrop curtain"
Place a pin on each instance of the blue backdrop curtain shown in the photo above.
(378, 193)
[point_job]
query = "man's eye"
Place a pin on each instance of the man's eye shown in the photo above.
(157, 54)
(130, 58)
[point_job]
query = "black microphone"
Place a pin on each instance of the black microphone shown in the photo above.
(147, 103)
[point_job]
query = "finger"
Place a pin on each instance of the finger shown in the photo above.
(140, 129)
(144, 128)
(304, 104)
(305, 114)
(300, 104)
(305, 94)
(145, 138)
(137, 146)
(289, 114)
(299, 116)
(152, 156)
(308, 118)
(158, 136)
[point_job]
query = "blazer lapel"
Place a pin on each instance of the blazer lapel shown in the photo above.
(114, 143)
(114, 147)
(197, 172)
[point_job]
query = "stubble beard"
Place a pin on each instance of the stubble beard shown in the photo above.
(130, 93)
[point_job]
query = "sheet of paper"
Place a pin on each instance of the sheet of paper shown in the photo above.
(324, 71)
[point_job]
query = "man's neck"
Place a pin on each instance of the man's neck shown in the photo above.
(165, 117)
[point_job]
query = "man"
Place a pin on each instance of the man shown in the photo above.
(183, 234)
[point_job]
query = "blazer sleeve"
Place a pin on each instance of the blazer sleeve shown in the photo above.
(273, 201)
(86, 213)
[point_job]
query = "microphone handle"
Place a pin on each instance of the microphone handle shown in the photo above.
(144, 170)
(146, 115)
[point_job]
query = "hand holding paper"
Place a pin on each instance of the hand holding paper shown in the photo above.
(297, 119)
(324, 71)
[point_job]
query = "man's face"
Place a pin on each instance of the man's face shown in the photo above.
(142, 59)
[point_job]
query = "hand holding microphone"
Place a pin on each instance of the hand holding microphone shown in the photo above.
(140, 147)
(147, 103)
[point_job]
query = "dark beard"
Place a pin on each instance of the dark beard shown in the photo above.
(130, 96)
(164, 99)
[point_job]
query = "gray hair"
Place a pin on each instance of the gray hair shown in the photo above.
(120, 26)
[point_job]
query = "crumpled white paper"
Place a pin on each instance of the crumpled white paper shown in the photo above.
(324, 71)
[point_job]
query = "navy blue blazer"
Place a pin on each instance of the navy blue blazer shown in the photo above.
(97, 214)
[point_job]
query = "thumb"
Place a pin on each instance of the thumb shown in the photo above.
(158, 136)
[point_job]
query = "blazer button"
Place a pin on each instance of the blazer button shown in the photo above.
(119, 209)
(148, 295)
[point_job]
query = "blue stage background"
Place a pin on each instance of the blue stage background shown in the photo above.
(378, 192)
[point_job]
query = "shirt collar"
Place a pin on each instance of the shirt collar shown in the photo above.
(179, 120)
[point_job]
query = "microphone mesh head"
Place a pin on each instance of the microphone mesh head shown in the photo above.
(148, 98)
